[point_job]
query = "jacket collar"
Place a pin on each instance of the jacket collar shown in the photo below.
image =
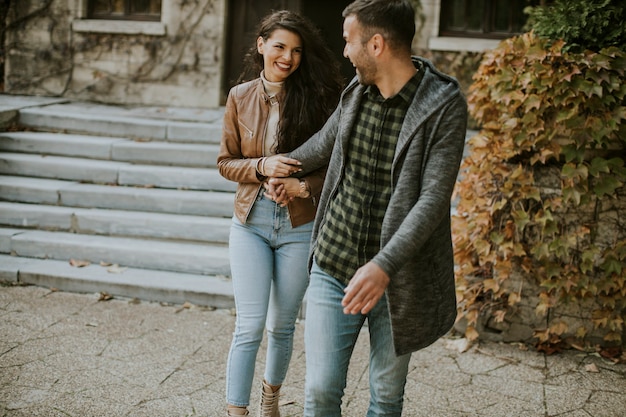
(434, 91)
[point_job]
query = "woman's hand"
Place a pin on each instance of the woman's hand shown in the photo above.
(282, 190)
(279, 166)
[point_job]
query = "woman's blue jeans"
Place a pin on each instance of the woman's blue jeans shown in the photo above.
(330, 336)
(268, 260)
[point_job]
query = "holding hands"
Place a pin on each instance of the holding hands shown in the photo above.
(281, 188)
(278, 166)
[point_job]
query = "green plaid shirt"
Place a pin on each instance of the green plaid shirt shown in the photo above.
(350, 233)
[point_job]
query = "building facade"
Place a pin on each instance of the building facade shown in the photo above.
(188, 53)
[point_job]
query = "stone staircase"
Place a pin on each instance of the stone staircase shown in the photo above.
(125, 201)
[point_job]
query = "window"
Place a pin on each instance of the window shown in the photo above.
(496, 19)
(124, 9)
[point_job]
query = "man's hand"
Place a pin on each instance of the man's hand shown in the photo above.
(282, 190)
(366, 287)
(280, 166)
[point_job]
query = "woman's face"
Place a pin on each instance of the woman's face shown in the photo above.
(282, 54)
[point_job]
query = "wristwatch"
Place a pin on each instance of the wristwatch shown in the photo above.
(304, 190)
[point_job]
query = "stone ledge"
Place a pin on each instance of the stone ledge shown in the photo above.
(119, 26)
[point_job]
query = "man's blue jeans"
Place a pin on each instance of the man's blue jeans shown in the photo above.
(330, 336)
(269, 272)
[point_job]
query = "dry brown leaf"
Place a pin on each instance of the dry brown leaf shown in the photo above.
(104, 296)
(78, 263)
(187, 305)
(592, 367)
(116, 269)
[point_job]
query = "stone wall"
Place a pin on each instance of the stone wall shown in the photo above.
(605, 217)
(53, 51)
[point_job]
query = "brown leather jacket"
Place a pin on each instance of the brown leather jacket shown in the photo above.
(245, 121)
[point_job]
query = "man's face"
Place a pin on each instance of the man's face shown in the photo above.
(356, 50)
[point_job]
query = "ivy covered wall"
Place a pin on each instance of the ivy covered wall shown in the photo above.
(47, 54)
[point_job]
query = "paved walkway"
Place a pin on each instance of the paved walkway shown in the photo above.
(64, 354)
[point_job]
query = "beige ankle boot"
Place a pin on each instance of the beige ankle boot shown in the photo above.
(237, 411)
(269, 401)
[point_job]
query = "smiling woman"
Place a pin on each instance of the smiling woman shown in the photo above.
(289, 86)
(282, 52)
(124, 9)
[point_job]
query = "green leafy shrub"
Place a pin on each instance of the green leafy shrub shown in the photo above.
(582, 24)
(542, 202)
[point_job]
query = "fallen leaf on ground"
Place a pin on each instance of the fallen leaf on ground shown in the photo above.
(187, 305)
(613, 354)
(592, 368)
(116, 269)
(79, 264)
(104, 296)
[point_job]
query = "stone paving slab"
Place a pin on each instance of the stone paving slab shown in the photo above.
(115, 222)
(31, 190)
(110, 148)
(64, 118)
(188, 154)
(16, 102)
(95, 147)
(113, 172)
(143, 284)
(71, 193)
(6, 235)
(64, 354)
(150, 199)
(184, 257)
(59, 167)
(182, 114)
(177, 125)
(174, 177)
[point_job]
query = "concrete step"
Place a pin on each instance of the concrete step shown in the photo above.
(115, 222)
(117, 121)
(112, 172)
(76, 194)
(110, 148)
(185, 257)
(135, 188)
(144, 284)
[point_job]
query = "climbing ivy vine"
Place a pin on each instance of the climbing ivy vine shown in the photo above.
(542, 193)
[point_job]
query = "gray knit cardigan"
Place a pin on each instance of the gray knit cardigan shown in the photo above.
(416, 244)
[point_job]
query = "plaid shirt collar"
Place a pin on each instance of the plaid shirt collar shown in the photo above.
(405, 95)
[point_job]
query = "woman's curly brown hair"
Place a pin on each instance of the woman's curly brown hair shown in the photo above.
(311, 91)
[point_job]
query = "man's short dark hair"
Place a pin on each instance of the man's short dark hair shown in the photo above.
(393, 19)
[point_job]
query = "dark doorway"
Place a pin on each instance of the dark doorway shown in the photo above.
(326, 14)
(245, 15)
